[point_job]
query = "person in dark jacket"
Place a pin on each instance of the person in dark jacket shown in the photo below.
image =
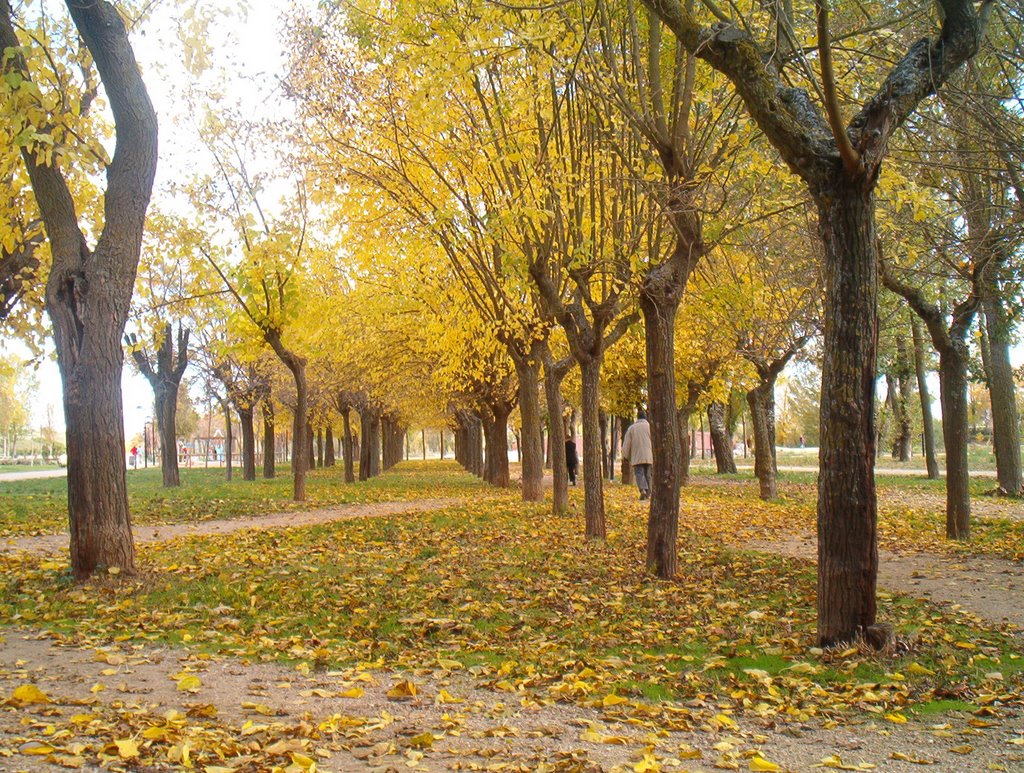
(572, 460)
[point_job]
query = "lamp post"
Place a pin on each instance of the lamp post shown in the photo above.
(145, 442)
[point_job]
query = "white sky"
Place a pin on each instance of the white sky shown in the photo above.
(249, 55)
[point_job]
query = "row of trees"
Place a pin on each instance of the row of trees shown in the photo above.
(490, 204)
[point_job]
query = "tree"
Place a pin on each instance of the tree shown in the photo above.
(165, 380)
(840, 166)
(88, 291)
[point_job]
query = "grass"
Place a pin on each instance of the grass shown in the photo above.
(40, 506)
(519, 596)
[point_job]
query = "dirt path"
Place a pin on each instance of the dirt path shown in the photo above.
(989, 588)
(347, 721)
(56, 543)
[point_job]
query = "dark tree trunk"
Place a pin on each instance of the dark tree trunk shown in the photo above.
(166, 411)
(683, 420)
(553, 375)
(329, 446)
(847, 508)
(602, 419)
(269, 441)
(927, 424)
(721, 439)
(245, 421)
(1002, 393)
(613, 450)
(904, 445)
(531, 443)
(346, 445)
(320, 447)
(761, 400)
(495, 425)
(165, 380)
(310, 449)
(659, 302)
(593, 480)
(625, 469)
(370, 450)
(953, 397)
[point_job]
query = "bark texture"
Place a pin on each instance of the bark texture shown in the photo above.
(88, 292)
(721, 439)
(923, 391)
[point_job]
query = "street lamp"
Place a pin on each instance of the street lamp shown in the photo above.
(145, 442)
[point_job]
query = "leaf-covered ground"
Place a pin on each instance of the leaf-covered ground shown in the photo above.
(495, 598)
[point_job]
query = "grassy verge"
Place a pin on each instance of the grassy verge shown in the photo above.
(40, 506)
(522, 602)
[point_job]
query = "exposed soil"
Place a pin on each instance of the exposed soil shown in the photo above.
(489, 728)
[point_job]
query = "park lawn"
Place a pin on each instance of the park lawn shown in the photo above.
(518, 600)
(40, 506)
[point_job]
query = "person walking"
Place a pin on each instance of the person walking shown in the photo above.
(636, 448)
(572, 460)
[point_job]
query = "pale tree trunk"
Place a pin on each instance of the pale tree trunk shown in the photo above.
(927, 423)
(721, 440)
(269, 441)
(683, 416)
(88, 292)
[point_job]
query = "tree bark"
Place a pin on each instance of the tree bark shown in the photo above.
(245, 421)
(329, 446)
(553, 375)
(495, 425)
(346, 445)
(593, 480)
(625, 468)
(531, 443)
(761, 400)
(659, 302)
(721, 439)
(927, 423)
(683, 416)
(847, 508)
(88, 293)
(228, 440)
(320, 447)
(269, 441)
(953, 398)
(1002, 393)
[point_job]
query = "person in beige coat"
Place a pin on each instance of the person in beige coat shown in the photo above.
(636, 448)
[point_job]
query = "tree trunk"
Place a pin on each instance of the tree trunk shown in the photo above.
(613, 450)
(531, 443)
(320, 447)
(1002, 393)
(593, 480)
(721, 441)
(329, 446)
(903, 447)
(761, 400)
(928, 425)
(625, 468)
(245, 421)
(556, 436)
(166, 411)
(310, 449)
(847, 507)
(269, 441)
(953, 397)
(659, 302)
(228, 441)
(346, 446)
(495, 424)
(683, 420)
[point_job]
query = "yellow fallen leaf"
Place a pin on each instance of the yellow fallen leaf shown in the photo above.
(443, 696)
(687, 752)
(402, 691)
(35, 747)
(259, 708)
(127, 749)
(919, 670)
(965, 749)
(762, 765)
(28, 694)
(897, 718)
(449, 665)
(422, 741)
(908, 758)
(354, 692)
(190, 683)
(302, 761)
(613, 700)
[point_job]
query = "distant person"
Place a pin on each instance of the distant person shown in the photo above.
(135, 456)
(636, 448)
(801, 441)
(572, 460)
